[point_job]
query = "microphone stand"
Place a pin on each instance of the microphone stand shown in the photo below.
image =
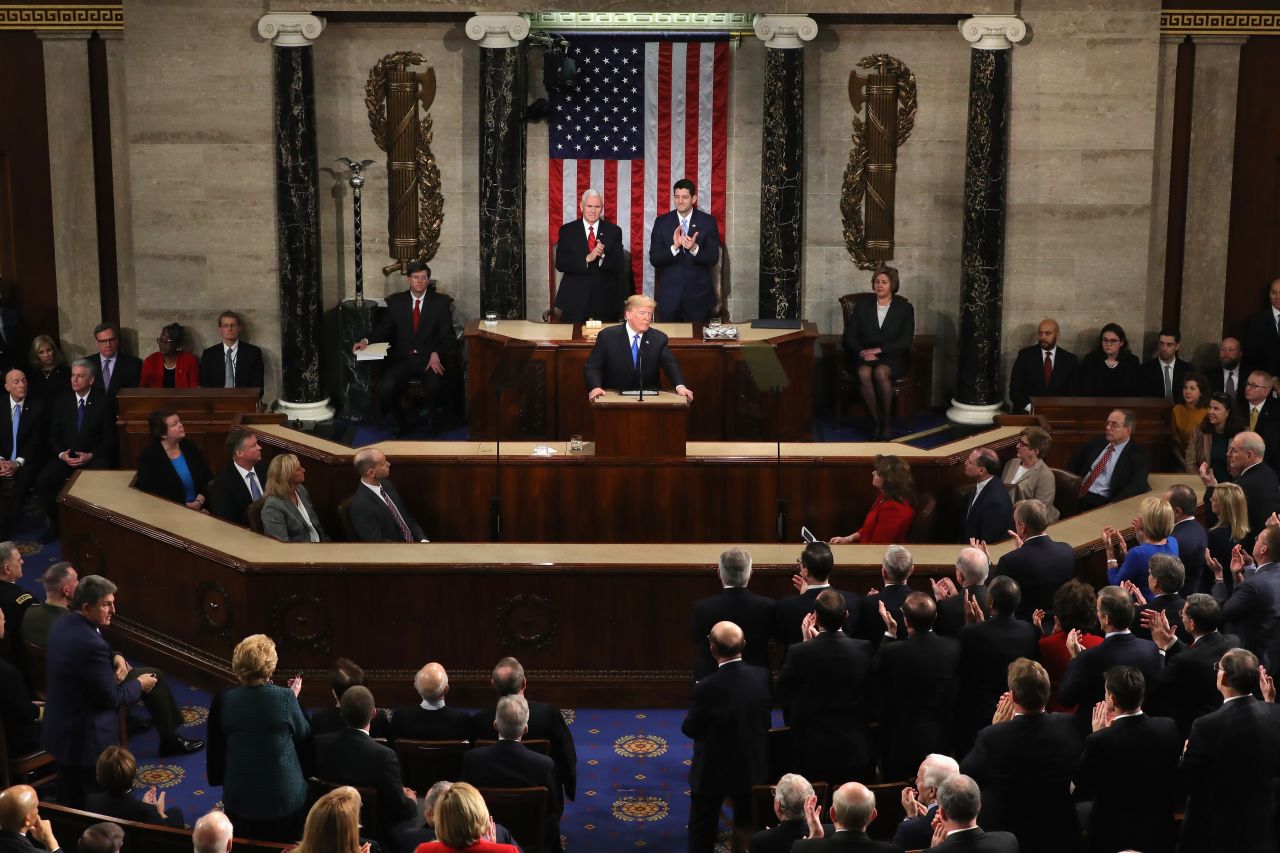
(777, 432)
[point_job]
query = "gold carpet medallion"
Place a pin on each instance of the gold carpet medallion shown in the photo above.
(159, 775)
(194, 715)
(640, 746)
(645, 809)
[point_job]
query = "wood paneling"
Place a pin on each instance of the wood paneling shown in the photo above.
(207, 413)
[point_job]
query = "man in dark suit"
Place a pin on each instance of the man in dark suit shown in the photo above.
(728, 722)
(627, 354)
(972, 568)
(377, 512)
(987, 647)
(1260, 407)
(915, 688)
(418, 325)
(82, 434)
(989, 514)
(1163, 375)
(510, 764)
(1186, 688)
(1262, 340)
(1164, 578)
(24, 445)
(114, 369)
(816, 565)
(1024, 762)
(821, 690)
(1251, 609)
(1230, 766)
(1226, 377)
(920, 804)
(896, 567)
(1042, 370)
(1191, 535)
(352, 757)
(754, 614)
(240, 483)
(431, 719)
(1125, 815)
(789, 798)
(683, 247)
(1258, 481)
(19, 716)
(959, 803)
(233, 363)
(1038, 563)
(343, 675)
(1114, 467)
(853, 808)
(589, 253)
(21, 827)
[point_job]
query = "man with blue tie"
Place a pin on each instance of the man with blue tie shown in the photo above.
(82, 433)
(24, 446)
(626, 354)
(683, 247)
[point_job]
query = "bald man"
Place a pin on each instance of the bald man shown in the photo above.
(1042, 370)
(21, 824)
(212, 833)
(377, 512)
(430, 719)
(853, 808)
(728, 721)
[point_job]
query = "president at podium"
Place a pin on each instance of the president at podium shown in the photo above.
(626, 354)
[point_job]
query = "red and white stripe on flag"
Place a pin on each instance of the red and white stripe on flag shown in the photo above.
(686, 120)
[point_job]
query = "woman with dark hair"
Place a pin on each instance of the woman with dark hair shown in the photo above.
(1221, 423)
(1186, 417)
(115, 771)
(889, 520)
(172, 467)
(1110, 370)
(877, 341)
(1028, 473)
(1074, 609)
(49, 374)
(169, 366)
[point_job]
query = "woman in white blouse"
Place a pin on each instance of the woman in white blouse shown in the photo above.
(287, 513)
(1028, 473)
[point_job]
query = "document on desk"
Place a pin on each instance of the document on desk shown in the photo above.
(373, 352)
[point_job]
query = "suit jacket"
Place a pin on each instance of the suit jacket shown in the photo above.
(950, 619)
(986, 650)
(863, 331)
(728, 722)
(1192, 540)
(282, 520)
(1129, 477)
(229, 496)
(97, 434)
(17, 713)
(684, 287)
(125, 373)
(1151, 377)
(1229, 770)
(1024, 767)
(1186, 688)
(373, 522)
(791, 611)
(870, 626)
(33, 432)
(1082, 685)
(590, 290)
(417, 723)
(327, 721)
(186, 371)
(125, 807)
(980, 841)
(989, 516)
(1041, 566)
(13, 842)
(1037, 483)
(1124, 814)
(1026, 379)
(1253, 612)
(82, 694)
(510, 764)
(1170, 604)
(754, 614)
(1218, 382)
(915, 690)
(916, 833)
(1261, 345)
(157, 476)
(779, 838)
(435, 328)
(822, 690)
(887, 522)
(610, 365)
(1261, 489)
(351, 757)
(1098, 380)
(546, 722)
(845, 841)
(249, 371)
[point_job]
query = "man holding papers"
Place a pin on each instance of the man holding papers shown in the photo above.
(626, 354)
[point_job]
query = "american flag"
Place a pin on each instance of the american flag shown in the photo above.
(644, 115)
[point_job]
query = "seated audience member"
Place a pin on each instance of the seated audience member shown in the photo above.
(920, 804)
(47, 371)
(1153, 527)
(959, 803)
(287, 513)
(18, 714)
(1113, 467)
(816, 565)
(1226, 377)
(212, 833)
(545, 722)
(1230, 766)
(169, 366)
(1039, 564)
(431, 719)
(789, 798)
(1164, 374)
(1190, 534)
(889, 520)
(15, 603)
(989, 514)
(1220, 424)
(333, 824)
(115, 369)
(877, 343)
(895, 569)
(172, 467)
(987, 647)
(915, 686)
(377, 512)
(116, 770)
(821, 690)
(1043, 369)
(1074, 609)
(1110, 370)
(1251, 610)
(410, 839)
(1257, 480)
(1165, 576)
(463, 824)
(21, 827)
(352, 757)
(82, 434)
(1262, 340)
(753, 613)
(853, 808)
(60, 581)
(24, 445)
(972, 568)
(1186, 687)
(509, 764)
(1185, 417)
(240, 483)
(1024, 762)
(344, 674)
(1125, 815)
(104, 837)
(1227, 505)
(231, 363)
(1029, 474)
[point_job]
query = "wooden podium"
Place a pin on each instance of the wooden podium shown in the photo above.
(626, 425)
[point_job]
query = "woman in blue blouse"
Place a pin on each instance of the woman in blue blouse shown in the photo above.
(171, 466)
(1154, 528)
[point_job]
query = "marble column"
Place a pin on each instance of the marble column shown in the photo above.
(1157, 242)
(978, 392)
(120, 176)
(1212, 161)
(782, 162)
(302, 394)
(71, 185)
(503, 92)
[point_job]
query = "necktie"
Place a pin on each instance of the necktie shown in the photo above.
(17, 413)
(417, 314)
(635, 350)
(1168, 380)
(106, 372)
(684, 227)
(255, 491)
(395, 513)
(1097, 470)
(230, 380)
(1278, 324)
(1230, 387)
(1048, 370)
(1253, 419)
(591, 238)
(80, 415)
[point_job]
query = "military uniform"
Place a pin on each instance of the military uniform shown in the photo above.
(15, 602)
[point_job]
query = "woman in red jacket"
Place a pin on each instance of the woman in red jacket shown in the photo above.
(889, 520)
(170, 367)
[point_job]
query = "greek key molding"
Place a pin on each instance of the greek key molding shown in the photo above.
(714, 22)
(1241, 22)
(91, 16)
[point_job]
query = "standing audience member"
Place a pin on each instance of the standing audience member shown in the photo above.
(1251, 610)
(21, 827)
(1039, 564)
(1190, 534)
(82, 434)
(169, 366)
(240, 483)
(853, 808)
(1186, 687)
(1029, 474)
(816, 565)
(954, 599)
(233, 363)
(1227, 505)
(895, 569)
(1257, 479)
(889, 519)
(987, 648)
(1153, 527)
(1165, 576)
(1221, 423)
(1043, 369)
(47, 371)
(116, 369)
(1074, 609)
(60, 581)
(117, 770)
(920, 804)
(1262, 341)
(212, 833)
(733, 603)
(1110, 370)
(15, 603)
(172, 466)
(24, 445)
(377, 512)
(19, 716)
(431, 719)
(989, 516)
(288, 514)
(463, 825)
(1113, 467)
(1185, 418)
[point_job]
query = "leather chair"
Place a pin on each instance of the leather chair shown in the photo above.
(542, 746)
(28, 768)
(904, 387)
(344, 518)
(317, 788)
(253, 514)
(523, 811)
(1066, 492)
(923, 525)
(889, 812)
(70, 824)
(426, 762)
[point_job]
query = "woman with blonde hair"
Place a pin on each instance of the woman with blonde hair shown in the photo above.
(1028, 473)
(287, 513)
(1154, 529)
(1229, 506)
(463, 824)
(889, 520)
(49, 375)
(333, 824)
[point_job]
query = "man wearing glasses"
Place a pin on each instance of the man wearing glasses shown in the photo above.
(114, 369)
(1112, 467)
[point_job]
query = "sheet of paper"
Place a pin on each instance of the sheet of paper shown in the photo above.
(373, 352)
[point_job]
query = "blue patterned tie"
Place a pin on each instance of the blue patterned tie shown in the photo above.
(80, 416)
(635, 350)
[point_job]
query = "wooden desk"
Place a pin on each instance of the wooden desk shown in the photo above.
(1076, 420)
(207, 413)
(552, 403)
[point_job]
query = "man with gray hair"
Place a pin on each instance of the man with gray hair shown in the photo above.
(959, 801)
(1111, 467)
(895, 569)
(589, 254)
(754, 614)
(82, 434)
(790, 795)
(212, 833)
(988, 515)
(853, 808)
(1258, 481)
(431, 719)
(920, 803)
(972, 567)
(15, 603)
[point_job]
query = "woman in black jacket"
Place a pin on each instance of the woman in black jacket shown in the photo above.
(877, 341)
(171, 466)
(1110, 370)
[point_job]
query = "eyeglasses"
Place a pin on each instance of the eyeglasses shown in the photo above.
(1256, 385)
(1111, 340)
(110, 340)
(1022, 443)
(164, 340)
(1217, 666)
(1117, 424)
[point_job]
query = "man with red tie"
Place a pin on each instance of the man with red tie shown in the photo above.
(589, 253)
(418, 326)
(1043, 369)
(1113, 467)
